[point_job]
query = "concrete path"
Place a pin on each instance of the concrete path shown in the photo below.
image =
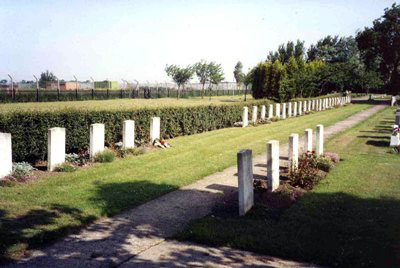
(138, 236)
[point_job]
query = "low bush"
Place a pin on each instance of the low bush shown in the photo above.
(20, 171)
(306, 173)
(29, 128)
(78, 159)
(105, 156)
(66, 167)
(324, 164)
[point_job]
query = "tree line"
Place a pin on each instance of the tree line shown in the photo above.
(368, 61)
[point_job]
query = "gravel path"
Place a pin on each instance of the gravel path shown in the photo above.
(138, 237)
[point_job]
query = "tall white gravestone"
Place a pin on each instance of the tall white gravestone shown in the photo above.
(294, 108)
(313, 105)
(245, 177)
(263, 111)
(300, 108)
(128, 134)
(284, 110)
(309, 106)
(155, 128)
(289, 111)
(96, 139)
(254, 115)
(245, 117)
(319, 147)
(55, 147)
(293, 151)
(308, 140)
(278, 110)
(305, 106)
(273, 164)
(5, 154)
(270, 111)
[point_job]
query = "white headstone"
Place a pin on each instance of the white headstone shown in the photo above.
(284, 110)
(308, 140)
(309, 106)
(96, 139)
(319, 147)
(294, 108)
(289, 112)
(300, 107)
(245, 177)
(155, 128)
(55, 147)
(245, 117)
(278, 110)
(293, 151)
(128, 134)
(304, 106)
(271, 111)
(313, 105)
(5, 154)
(273, 164)
(263, 111)
(254, 115)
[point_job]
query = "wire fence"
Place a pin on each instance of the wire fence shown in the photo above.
(145, 91)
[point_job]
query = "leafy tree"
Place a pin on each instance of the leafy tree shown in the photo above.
(46, 77)
(286, 51)
(202, 71)
(266, 80)
(247, 80)
(216, 75)
(238, 73)
(180, 75)
(380, 47)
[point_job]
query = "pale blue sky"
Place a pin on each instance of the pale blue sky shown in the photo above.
(136, 39)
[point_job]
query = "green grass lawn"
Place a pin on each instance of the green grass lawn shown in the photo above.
(33, 213)
(351, 219)
(120, 104)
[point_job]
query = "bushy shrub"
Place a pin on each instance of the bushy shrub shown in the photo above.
(29, 128)
(66, 167)
(306, 174)
(324, 164)
(78, 159)
(21, 170)
(105, 156)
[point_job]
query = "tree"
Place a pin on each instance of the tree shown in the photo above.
(238, 74)
(203, 74)
(380, 47)
(286, 51)
(247, 80)
(180, 75)
(216, 75)
(266, 80)
(46, 77)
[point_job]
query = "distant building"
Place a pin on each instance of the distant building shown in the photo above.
(106, 84)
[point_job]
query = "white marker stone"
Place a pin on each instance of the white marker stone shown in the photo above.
(300, 108)
(55, 147)
(263, 112)
(271, 111)
(294, 108)
(309, 106)
(289, 111)
(305, 106)
(254, 115)
(128, 134)
(245, 177)
(5, 154)
(284, 110)
(319, 147)
(96, 139)
(278, 110)
(308, 140)
(293, 151)
(313, 105)
(273, 164)
(155, 128)
(245, 117)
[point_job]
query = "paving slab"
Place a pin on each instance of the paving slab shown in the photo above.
(119, 240)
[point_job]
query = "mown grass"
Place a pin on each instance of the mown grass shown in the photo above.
(351, 219)
(39, 211)
(120, 104)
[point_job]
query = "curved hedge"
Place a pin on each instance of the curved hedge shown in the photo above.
(29, 129)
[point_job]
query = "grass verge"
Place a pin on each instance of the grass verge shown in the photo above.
(34, 213)
(351, 219)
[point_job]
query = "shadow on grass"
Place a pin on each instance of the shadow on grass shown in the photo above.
(109, 242)
(335, 229)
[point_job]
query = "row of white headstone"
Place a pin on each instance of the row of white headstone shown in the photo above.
(56, 143)
(284, 110)
(245, 164)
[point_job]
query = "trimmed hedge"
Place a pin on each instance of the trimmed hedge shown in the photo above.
(29, 129)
